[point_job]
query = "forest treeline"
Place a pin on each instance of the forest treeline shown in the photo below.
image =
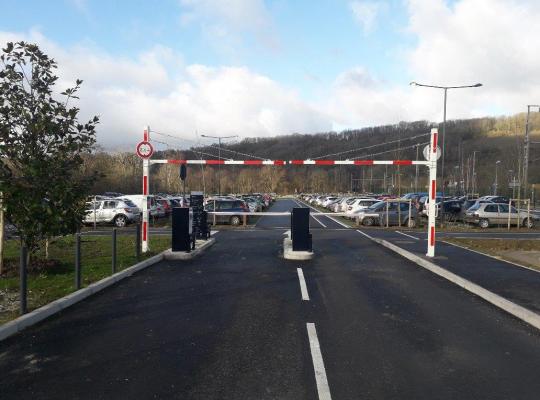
(472, 145)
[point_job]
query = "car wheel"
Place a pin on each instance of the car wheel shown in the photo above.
(120, 221)
(528, 223)
(235, 220)
(411, 223)
(484, 223)
(369, 221)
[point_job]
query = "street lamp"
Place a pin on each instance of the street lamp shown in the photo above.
(219, 138)
(445, 88)
(496, 177)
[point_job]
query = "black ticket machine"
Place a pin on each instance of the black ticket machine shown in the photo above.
(182, 229)
(301, 238)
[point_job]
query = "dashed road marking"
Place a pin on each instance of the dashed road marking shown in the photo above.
(318, 365)
(303, 286)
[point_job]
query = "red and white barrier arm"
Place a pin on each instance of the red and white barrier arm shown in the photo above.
(292, 162)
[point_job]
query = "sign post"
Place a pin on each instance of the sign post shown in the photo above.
(145, 150)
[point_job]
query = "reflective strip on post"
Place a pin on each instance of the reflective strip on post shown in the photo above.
(145, 190)
(432, 164)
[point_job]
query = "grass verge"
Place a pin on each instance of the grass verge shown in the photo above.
(51, 279)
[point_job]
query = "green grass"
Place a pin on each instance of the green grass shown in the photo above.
(57, 279)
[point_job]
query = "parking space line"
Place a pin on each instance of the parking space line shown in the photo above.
(404, 234)
(303, 286)
(365, 234)
(318, 221)
(327, 216)
(318, 365)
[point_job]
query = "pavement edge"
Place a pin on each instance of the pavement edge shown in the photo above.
(24, 321)
(180, 255)
(510, 307)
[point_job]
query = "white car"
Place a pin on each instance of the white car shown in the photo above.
(152, 204)
(329, 200)
(358, 205)
(120, 212)
(346, 203)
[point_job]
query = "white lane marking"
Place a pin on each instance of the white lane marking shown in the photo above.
(303, 287)
(404, 234)
(324, 226)
(365, 234)
(327, 216)
(212, 233)
(318, 365)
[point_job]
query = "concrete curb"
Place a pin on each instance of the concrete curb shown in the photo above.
(180, 255)
(290, 254)
(24, 321)
(516, 310)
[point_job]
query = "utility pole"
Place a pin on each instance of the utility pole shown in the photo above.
(526, 160)
(416, 172)
(219, 138)
(474, 172)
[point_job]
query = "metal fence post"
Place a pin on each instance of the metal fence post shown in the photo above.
(23, 277)
(138, 241)
(78, 261)
(114, 250)
(509, 213)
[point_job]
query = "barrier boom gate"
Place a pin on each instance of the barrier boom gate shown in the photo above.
(431, 163)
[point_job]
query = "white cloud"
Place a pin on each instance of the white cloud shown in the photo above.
(156, 88)
(486, 41)
(225, 21)
(366, 13)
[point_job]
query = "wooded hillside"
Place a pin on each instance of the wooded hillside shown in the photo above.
(492, 139)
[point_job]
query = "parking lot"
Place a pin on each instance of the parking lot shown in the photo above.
(356, 322)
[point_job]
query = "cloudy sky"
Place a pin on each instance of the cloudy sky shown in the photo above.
(265, 68)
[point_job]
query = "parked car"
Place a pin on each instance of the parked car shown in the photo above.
(358, 205)
(152, 204)
(376, 214)
(229, 206)
(487, 214)
(118, 211)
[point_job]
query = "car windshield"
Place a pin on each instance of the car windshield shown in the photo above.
(474, 207)
(377, 205)
(129, 203)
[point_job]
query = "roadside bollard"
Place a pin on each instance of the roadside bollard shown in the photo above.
(78, 261)
(23, 277)
(114, 250)
(138, 241)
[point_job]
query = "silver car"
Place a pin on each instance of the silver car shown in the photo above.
(120, 212)
(487, 214)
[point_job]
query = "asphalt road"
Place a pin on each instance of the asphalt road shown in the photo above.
(232, 325)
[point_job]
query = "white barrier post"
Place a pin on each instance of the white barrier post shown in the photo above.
(146, 183)
(432, 193)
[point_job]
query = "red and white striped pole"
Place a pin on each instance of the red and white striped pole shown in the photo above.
(145, 188)
(432, 192)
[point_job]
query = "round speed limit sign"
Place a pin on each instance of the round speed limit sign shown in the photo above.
(145, 150)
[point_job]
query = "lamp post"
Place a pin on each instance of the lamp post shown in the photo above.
(527, 144)
(496, 184)
(219, 138)
(445, 88)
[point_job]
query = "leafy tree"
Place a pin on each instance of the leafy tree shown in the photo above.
(41, 147)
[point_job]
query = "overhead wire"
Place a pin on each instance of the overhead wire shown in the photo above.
(198, 142)
(388, 151)
(370, 147)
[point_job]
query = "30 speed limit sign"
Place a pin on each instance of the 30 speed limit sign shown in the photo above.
(145, 149)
